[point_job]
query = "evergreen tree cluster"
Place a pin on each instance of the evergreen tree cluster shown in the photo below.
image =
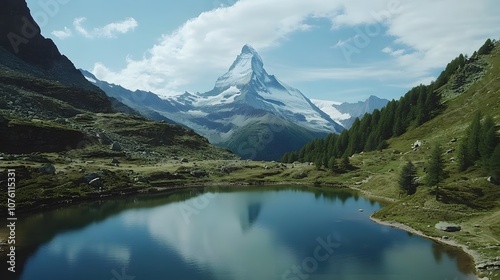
(479, 145)
(370, 132)
(487, 47)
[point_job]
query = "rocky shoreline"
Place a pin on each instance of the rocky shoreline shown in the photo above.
(481, 264)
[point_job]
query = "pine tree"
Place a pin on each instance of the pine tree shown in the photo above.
(398, 126)
(345, 164)
(332, 164)
(324, 158)
(371, 142)
(488, 141)
(435, 167)
(473, 137)
(407, 178)
(495, 164)
(487, 47)
(318, 163)
(382, 144)
(462, 159)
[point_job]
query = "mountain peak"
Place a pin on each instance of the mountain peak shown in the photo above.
(248, 49)
(248, 52)
(247, 64)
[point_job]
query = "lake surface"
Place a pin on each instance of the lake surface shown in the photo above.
(258, 234)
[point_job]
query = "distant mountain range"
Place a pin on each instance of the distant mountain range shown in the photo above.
(248, 111)
(345, 113)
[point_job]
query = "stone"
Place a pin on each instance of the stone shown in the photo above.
(61, 120)
(94, 180)
(116, 147)
(104, 139)
(199, 173)
(416, 145)
(141, 179)
(47, 169)
(449, 227)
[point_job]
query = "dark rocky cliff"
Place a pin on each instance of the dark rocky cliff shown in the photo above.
(29, 61)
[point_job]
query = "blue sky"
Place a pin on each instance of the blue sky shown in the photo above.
(335, 50)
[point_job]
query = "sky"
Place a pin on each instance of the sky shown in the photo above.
(338, 50)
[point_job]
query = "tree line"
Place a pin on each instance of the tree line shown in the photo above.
(370, 132)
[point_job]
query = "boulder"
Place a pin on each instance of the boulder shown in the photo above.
(97, 183)
(104, 139)
(47, 169)
(449, 227)
(116, 147)
(61, 120)
(94, 180)
(416, 145)
(199, 173)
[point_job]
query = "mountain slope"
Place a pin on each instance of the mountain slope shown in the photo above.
(244, 98)
(44, 99)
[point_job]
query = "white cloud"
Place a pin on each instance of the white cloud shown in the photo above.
(428, 34)
(77, 23)
(110, 30)
(63, 34)
(392, 52)
(387, 50)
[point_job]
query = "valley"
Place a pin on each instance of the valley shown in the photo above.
(71, 138)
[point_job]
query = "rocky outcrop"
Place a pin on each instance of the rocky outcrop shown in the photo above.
(20, 35)
(47, 169)
(30, 137)
(449, 227)
(32, 62)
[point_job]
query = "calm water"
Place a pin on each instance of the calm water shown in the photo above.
(246, 234)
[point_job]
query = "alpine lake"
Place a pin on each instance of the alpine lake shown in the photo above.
(236, 233)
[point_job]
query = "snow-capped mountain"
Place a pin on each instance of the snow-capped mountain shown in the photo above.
(248, 111)
(248, 84)
(329, 108)
(345, 113)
